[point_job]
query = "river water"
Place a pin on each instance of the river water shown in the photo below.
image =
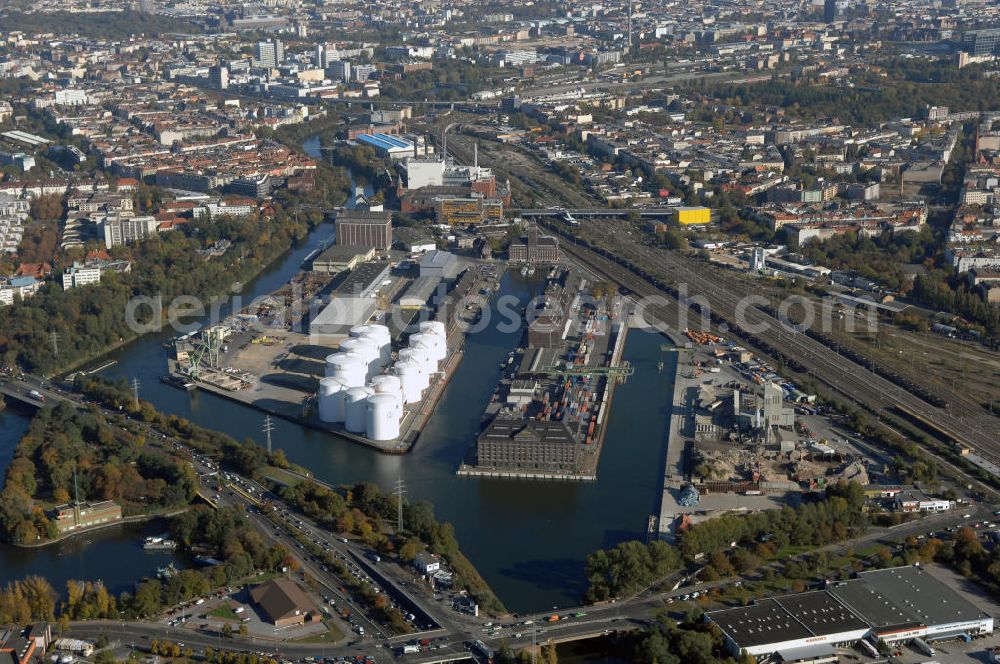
(528, 539)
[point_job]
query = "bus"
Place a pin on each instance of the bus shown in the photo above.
(483, 650)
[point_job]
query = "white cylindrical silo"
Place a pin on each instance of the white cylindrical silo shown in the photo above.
(420, 356)
(433, 344)
(413, 378)
(330, 399)
(382, 416)
(388, 384)
(363, 346)
(354, 409)
(380, 334)
(434, 327)
(348, 367)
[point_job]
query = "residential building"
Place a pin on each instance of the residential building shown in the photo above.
(427, 563)
(270, 53)
(80, 275)
(125, 230)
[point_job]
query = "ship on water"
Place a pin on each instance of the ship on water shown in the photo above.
(159, 543)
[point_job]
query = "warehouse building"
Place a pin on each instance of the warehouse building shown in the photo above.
(441, 264)
(889, 605)
(420, 292)
(341, 258)
(518, 444)
(364, 228)
(353, 302)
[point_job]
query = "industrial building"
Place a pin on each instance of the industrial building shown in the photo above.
(519, 444)
(419, 292)
(441, 264)
(74, 516)
(889, 605)
(341, 258)
(354, 300)
(364, 228)
(534, 248)
(396, 147)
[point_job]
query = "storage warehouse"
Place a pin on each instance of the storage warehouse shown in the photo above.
(889, 605)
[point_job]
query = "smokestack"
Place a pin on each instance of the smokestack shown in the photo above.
(415, 146)
(475, 154)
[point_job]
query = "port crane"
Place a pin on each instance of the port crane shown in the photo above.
(619, 373)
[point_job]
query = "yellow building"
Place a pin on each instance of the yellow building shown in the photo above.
(691, 216)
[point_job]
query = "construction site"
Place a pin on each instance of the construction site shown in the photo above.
(548, 414)
(744, 439)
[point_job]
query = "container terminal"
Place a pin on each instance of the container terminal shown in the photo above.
(547, 417)
(363, 353)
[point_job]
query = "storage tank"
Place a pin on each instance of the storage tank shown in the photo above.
(348, 367)
(354, 409)
(364, 346)
(420, 356)
(435, 328)
(413, 378)
(388, 384)
(380, 334)
(330, 399)
(434, 345)
(382, 416)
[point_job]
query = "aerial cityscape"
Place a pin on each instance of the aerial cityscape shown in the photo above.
(504, 332)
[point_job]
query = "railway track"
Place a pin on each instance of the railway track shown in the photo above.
(799, 351)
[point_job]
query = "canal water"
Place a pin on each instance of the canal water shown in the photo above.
(528, 539)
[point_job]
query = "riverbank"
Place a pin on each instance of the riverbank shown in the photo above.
(88, 530)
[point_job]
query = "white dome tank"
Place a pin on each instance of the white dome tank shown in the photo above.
(420, 356)
(354, 409)
(380, 334)
(388, 384)
(348, 367)
(365, 347)
(414, 380)
(435, 328)
(382, 416)
(330, 399)
(433, 344)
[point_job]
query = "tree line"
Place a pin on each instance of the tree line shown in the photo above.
(66, 451)
(364, 511)
(728, 544)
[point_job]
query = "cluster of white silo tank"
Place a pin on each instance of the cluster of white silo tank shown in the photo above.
(415, 363)
(366, 401)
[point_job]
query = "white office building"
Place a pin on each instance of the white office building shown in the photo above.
(80, 275)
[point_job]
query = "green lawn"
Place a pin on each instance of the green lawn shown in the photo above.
(331, 635)
(281, 476)
(224, 611)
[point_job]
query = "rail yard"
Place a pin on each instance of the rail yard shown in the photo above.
(657, 272)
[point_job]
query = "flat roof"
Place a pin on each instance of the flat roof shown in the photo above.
(343, 312)
(821, 613)
(534, 431)
(385, 141)
(919, 595)
(759, 624)
(362, 278)
(349, 215)
(339, 253)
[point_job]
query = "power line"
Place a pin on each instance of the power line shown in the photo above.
(400, 491)
(55, 341)
(268, 428)
(135, 391)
